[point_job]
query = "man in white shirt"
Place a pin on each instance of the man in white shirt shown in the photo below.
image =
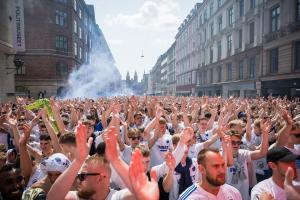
(212, 187)
(279, 159)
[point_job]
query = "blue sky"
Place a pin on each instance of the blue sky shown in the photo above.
(135, 26)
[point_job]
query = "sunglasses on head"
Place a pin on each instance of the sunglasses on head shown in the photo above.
(82, 176)
(236, 142)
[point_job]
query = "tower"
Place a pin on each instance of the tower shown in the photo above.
(135, 77)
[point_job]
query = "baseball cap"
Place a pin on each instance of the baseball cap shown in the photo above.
(57, 162)
(281, 154)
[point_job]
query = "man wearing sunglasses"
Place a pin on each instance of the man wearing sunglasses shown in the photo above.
(238, 174)
(93, 179)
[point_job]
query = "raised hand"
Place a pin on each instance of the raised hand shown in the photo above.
(82, 147)
(265, 127)
(186, 135)
(292, 192)
(142, 188)
(26, 135)
(159, 113)
(170, 161)
(110, 137)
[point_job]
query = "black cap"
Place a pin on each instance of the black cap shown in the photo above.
(281, 154)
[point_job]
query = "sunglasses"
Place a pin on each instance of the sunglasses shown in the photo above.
(136, 138)
(81, 177)
(236, 142)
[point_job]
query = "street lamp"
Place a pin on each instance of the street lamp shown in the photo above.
(18, 64)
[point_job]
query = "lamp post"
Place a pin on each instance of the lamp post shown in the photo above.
(18, 64)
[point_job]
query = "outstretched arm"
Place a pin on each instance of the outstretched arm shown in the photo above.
(64, 182)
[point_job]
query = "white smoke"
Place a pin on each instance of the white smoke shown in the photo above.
(98, 78)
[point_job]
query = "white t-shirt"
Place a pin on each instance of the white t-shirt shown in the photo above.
(162, 170)
(160, 148)
(126, 154)
(195, 149)
(195, 192)
(113, 195)
(269, 186)
(242, 185)
(260, 164)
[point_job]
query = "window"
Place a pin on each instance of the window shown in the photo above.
(61, 43)
(204, 35)
(252, 67)
(75, 5)
(75, 48)
(86, 38)
(211, 75)
(275, 21)
(241, 70)
(61, 69)
(60, 18)
(86, 57)
(252, 4)
(229, 72)
(251, 33)
(240, 38)
(229, 44)
(211, 54)
(230, 15)
(205, 77)
(21, 70)
(75, 26)
(211, 30)
(220, 23)
(219, 49)
(274, 60)
(90, 43)
(80, 33)
(297, 56)
(219, 70)
(205, 16)
(211, 9)
(80, 13)
(242, 7)
(298, 10)
(80, 52)
(219, 3)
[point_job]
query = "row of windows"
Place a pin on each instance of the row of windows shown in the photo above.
(273, 63)
(61, 69)
(61, 44)
(251, 72)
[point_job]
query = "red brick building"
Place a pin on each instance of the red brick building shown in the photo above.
(59, 36)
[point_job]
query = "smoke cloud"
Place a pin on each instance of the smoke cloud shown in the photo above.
(98, 78)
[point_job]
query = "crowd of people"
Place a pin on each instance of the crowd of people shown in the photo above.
(150, 148)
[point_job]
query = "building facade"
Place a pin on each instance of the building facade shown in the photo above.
(7, 50)
(186, 54)
(157, 77)
(171, 71)
(60, 36)
(281, 48)
(230, 48)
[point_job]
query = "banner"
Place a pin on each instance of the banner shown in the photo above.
(18, 23)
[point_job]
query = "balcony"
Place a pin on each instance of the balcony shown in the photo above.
(282, 32)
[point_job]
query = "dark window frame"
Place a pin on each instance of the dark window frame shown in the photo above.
(274, 59)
